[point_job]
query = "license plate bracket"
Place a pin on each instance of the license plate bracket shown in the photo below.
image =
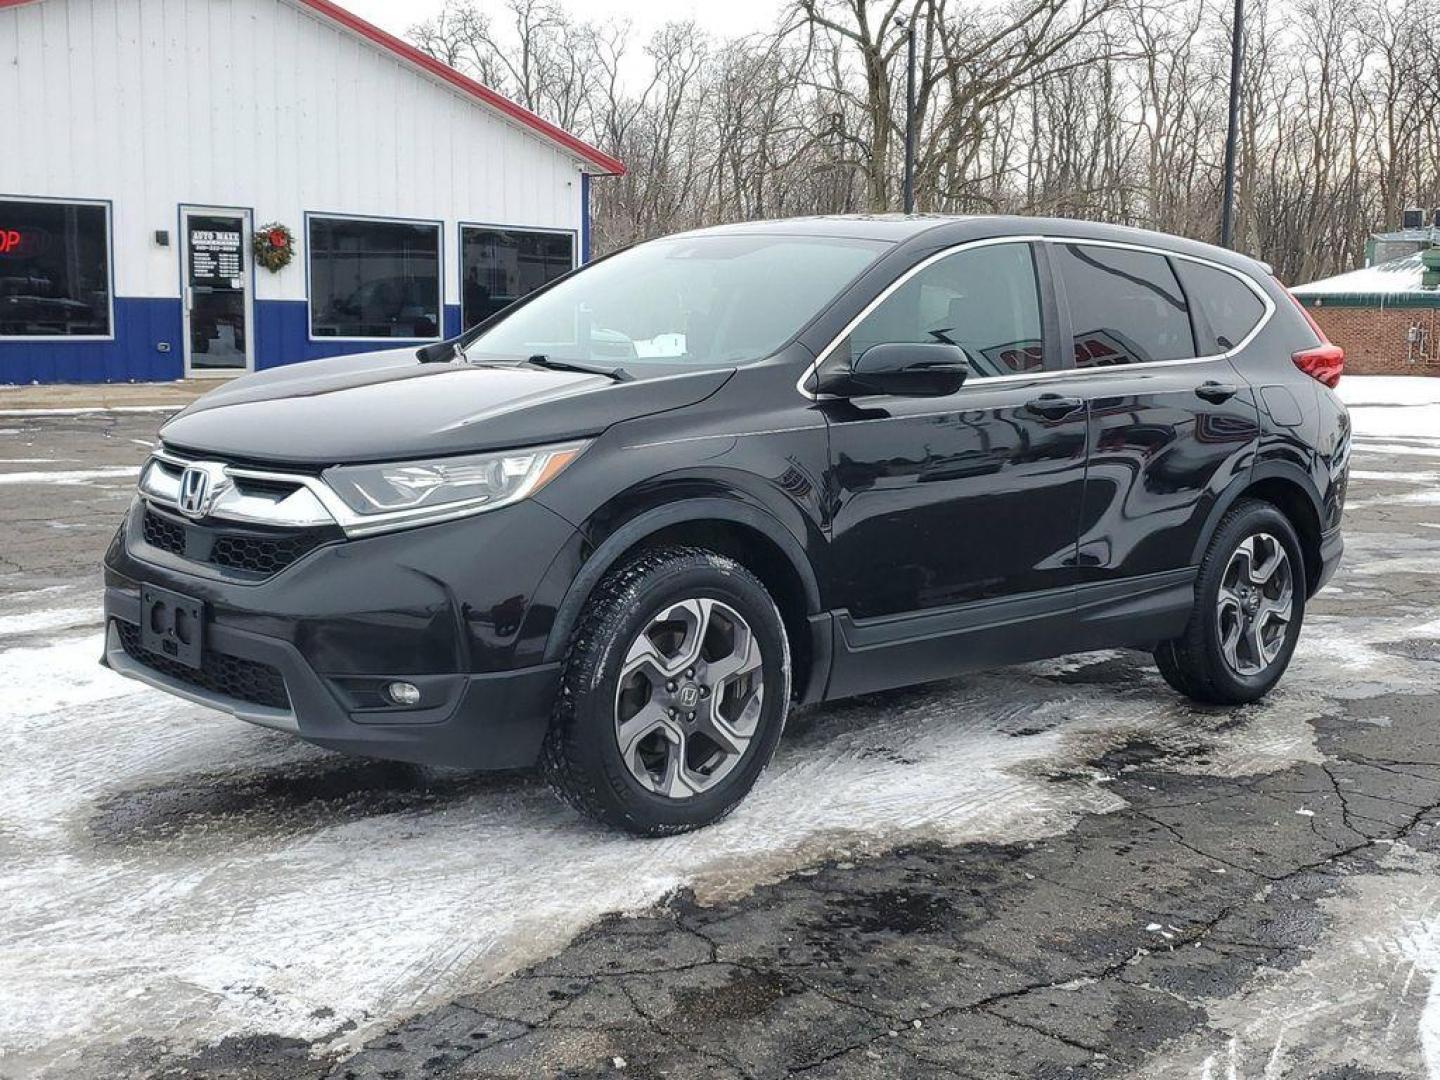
(172, 625)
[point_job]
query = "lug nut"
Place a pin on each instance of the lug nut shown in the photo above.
(704, 691)
(690, 716)
(689, 673)
(670, 686)
(671, 713)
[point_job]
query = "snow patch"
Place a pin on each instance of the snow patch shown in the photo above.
(37, 622)
(1398, 406)
(1357, 1003)
(74, 476)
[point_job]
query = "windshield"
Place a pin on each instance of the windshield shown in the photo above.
(702, 301)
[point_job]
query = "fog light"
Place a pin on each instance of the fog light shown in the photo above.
(403, 693)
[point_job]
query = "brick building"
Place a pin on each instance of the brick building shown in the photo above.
(1386, 317)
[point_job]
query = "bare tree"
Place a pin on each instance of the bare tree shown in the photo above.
(1105, 109)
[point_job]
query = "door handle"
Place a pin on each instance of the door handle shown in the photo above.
(1053, 406)
(1216, 391)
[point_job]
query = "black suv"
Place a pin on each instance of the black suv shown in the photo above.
(619, 527)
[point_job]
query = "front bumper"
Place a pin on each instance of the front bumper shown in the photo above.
(1332, 547)
(306, 650)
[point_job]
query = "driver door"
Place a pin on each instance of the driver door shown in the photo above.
(955, 519)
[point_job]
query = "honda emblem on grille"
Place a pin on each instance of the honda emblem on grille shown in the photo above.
(200, 486)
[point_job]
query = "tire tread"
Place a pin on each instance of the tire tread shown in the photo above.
(563, 754)
(1187, 662)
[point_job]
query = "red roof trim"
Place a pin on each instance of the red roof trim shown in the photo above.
(499, 102)
(603, 161)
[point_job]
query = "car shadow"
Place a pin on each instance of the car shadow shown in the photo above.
(287, 798)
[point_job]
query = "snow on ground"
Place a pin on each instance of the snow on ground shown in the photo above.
(1354, 1002)
(71, 476)
(165, 873)
(1385, 406)
(169, 872)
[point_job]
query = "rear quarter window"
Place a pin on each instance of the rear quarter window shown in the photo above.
(1226, 308)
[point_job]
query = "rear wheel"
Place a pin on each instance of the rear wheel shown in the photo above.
(674, 693)
(1249, 607)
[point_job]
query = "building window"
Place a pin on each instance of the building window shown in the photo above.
(374, 279)
(499, 266)
(54, 269)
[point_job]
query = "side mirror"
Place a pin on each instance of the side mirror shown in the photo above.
(900, 369)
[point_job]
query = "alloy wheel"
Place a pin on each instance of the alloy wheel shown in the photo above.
(689, 698)
(1255, 604)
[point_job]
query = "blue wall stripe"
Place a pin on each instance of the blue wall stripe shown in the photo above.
(142, 325)
(584, 217)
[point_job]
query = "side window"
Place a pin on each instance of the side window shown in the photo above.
(1126, 306)
(1229, 307)
(985, 300)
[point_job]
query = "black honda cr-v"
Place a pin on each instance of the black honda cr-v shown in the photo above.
(623, 525)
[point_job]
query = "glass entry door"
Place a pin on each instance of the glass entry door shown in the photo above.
(217, 293)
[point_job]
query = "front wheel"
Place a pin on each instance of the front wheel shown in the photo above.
(674, 693)
(1249, 606)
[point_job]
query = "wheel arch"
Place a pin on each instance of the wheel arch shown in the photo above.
(753, 537)
(1288, 489)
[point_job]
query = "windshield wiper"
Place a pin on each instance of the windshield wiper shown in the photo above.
(551, 363)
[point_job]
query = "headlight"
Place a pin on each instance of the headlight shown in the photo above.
(415, 491)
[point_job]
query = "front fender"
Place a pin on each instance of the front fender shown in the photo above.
(628, 521)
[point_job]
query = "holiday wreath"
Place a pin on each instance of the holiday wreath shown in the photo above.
(274, 246)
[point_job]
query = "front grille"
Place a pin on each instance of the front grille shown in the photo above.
(164, 534)
(262, 554)
(230, 676)
(256, 552)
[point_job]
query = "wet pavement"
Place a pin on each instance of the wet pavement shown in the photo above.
(1058, 869)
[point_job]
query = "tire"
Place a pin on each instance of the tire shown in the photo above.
(656, 611)
(1215, 660)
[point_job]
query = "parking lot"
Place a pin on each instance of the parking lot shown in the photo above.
(1056, 869)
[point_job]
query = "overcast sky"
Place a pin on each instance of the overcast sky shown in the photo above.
(723, 17)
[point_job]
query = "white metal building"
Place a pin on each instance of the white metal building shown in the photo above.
(149, 142)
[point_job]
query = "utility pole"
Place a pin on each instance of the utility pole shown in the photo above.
(1227, 198)
(908, 26)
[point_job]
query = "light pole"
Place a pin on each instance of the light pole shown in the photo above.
(1227, 198)
(909, 27)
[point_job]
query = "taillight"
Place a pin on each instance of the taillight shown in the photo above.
(1326, 361)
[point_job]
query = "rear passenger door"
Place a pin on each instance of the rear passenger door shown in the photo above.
(1172, 425)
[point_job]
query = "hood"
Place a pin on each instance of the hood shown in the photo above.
(387, 406)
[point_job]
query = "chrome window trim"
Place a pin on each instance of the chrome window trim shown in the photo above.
(1000, 380)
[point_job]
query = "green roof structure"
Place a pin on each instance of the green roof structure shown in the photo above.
(1412, 281)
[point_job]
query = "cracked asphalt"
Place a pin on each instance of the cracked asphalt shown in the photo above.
(1059, 869)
